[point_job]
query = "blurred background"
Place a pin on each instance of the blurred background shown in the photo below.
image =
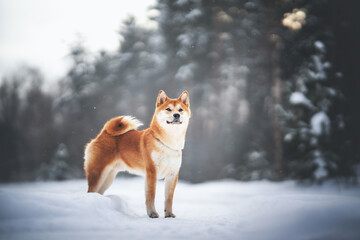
(273, 84)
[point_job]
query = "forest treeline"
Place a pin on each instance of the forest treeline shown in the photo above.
(273, 90)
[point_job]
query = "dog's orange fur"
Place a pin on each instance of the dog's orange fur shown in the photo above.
(154, 152)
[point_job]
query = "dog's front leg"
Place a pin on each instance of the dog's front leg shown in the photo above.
(150, 190)
(170, 184)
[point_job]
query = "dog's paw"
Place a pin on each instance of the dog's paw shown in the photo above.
(170, 215)
(153, 215)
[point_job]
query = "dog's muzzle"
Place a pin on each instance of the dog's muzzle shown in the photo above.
(176, 119)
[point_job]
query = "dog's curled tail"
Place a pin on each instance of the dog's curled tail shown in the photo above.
(120, 125)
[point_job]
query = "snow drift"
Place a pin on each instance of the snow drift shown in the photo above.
(215, 210)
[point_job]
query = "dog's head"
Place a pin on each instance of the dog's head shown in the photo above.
(171, 113)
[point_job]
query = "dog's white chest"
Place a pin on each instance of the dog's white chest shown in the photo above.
(167, 161)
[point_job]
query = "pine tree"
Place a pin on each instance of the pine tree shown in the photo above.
(26, 122)
(314, 124)
(210, 48)
(309, 124)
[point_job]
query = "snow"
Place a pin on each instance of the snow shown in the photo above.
(320, 124)
(320, 171)
(298, 98)
(215, 210)
(185, 72)
(320, 73)
(320, 46)
(289, 137)
(185, 39)
(181, 2)
(193, 14)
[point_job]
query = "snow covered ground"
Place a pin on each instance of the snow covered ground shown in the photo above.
(215, 210)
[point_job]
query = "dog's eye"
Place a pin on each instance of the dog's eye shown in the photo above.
(180, 110)
(168, 109)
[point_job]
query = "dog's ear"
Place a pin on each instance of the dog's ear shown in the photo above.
(184, 98)
(161, 98)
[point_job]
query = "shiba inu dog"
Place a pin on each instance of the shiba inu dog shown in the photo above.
(155, 152)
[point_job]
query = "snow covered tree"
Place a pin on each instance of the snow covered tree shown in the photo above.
(314, 123)
(221, 51)
(312, 127)
(309, 124)
(137, 68)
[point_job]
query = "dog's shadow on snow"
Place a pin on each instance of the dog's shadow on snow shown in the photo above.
(121, 206)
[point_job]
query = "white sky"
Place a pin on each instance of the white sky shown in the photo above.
(39, 32)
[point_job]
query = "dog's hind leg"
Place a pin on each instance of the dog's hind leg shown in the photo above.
(94, 178)
(93, 169)
(107, 181)
(100, 180)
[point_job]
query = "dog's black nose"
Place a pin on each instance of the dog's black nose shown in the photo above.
(176, 115)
